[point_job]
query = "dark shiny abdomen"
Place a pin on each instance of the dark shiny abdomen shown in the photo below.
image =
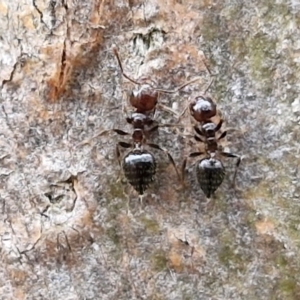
(139, 168)
(210, 175)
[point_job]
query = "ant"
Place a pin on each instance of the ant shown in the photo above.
(138, 164)
(210, 170)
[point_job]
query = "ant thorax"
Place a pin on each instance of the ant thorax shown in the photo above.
(140, 120)
(144, 99)
(209, 129)
(139, 117)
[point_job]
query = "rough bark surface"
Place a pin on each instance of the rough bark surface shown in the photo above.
(71, 227)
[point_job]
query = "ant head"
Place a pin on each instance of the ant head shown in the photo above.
(203, 108)
(144, 99)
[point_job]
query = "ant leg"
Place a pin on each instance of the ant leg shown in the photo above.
(125, 145)
(219, 125)
(168, 109)
(193, 154)
(169, 156)
(87, 141)
(154, 128)
(170, 125)
(222, 135)
(183, 171)
(121, 67)
(118, 156)
(120, 132)
(227, 154)
(198, 139)
(238, 132)
(119, 178)
(183, 112)
(129, 120)
(198, 130)
(156, 125)
(118, 153)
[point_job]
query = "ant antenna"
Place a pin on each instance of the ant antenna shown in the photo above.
(179, 88)
(121, 67)
(156, 89)
(211, 75)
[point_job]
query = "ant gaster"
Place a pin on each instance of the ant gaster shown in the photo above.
(139, 165)
(210, 170)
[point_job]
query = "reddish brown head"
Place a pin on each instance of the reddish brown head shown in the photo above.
(203, 108)
(144, 99)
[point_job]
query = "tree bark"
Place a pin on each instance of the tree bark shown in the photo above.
(71, 226)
